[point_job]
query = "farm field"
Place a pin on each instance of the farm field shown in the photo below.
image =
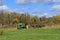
(31, 34)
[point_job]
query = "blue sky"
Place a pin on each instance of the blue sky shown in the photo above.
(35, 7)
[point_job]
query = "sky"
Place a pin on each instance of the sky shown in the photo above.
(38, 8)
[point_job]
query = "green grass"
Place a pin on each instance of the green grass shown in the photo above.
(31, 34)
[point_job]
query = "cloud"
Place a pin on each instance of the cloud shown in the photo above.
(36, 1)
(20, 1)
(55, 8)
(33, 15)
(4, 7)
(56, 0)
(1, 1)
(47, 15)
(37, 10)
(44, 14)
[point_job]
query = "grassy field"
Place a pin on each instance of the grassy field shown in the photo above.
(31, 34)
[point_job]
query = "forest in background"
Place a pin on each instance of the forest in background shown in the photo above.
(10, 19)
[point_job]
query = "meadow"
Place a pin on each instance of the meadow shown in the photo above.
(31, 34)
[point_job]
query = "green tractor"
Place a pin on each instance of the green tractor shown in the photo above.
(20, 25)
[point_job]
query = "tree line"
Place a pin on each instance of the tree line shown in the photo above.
(12, 18)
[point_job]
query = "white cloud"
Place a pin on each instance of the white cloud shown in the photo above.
(36, 1)
(4, 7)
(37, 10)
(55, 8)
(20, 1)
(1, 1)
(56, 0)
(45, 14)
(24, 10)
(33, 15)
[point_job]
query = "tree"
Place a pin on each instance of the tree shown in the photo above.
(15, 21)
(57, 17)
(34, 20)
